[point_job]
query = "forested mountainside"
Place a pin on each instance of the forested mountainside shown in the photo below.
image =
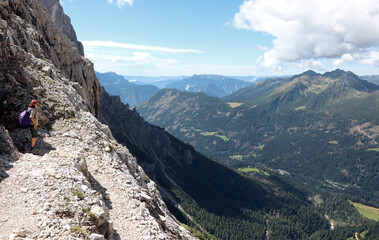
(218, 200)
(207, 195)
(79, 183)
(129, 93)
(322, 129)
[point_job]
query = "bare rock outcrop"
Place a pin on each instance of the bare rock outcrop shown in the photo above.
(80, 184)
(29, 40)
(63, 22)
(8, 152)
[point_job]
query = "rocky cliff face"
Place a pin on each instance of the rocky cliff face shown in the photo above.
(157, 149)
(62, 22)
(8, 152)
(81, 183)
(32, 46)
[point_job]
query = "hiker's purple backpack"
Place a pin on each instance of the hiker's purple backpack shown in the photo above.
(25, 118)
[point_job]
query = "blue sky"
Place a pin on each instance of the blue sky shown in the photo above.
(227, 37)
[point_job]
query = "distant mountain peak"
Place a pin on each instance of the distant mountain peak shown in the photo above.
(207, 76)
(204, 75)
(339, 73)
(210, 84)
(129, 92)
(309, 73)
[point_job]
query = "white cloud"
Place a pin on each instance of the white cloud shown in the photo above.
(372, 59)
(121, 3)
(138, 58)
(307, 29)
(146, 64)
(263, 48)
(111, 44)
(343, 58)
(316, 65)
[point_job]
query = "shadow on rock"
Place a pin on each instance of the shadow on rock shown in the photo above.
(17, 141)
(5, 165)
(22, 137)
(8, 152)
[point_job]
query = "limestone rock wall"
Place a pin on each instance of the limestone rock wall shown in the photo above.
(8, 152)
(81, 184)
(63, 22)
(29, 39)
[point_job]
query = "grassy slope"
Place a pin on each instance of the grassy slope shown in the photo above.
(367, 211)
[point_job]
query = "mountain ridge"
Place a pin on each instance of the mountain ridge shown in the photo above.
(129, 92)
(268, 113)
(371, 78)
(308, 83)
(192, 180)
(212, 85)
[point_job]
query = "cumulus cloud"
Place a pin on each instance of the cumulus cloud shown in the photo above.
(343, 58)
(263, 48)
(137, 58)
(305, 29)
(312, 64)
(112, 44)
(150, 65)
(127, 58)
(372, 59)
(121, 3)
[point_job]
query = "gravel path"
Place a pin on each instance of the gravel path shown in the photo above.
(82, 185)
(16, 198)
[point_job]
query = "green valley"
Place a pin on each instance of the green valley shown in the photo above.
(318, 128)
(214, 201)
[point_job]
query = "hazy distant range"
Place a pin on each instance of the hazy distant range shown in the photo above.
(163, 81)
(137, 89)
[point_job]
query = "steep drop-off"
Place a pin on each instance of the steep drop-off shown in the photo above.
(206, 194)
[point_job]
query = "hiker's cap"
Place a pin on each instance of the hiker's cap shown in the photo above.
(34, 102)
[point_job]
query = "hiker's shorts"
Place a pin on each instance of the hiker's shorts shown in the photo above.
(33, 131)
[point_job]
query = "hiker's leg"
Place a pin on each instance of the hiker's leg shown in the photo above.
(34, 136)
(34, 142)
